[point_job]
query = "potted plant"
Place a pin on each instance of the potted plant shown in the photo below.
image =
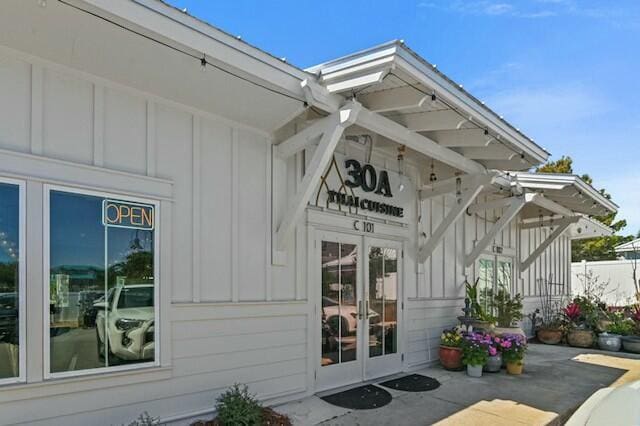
(550, 326)
(631, 343)
(506, 309)
(611, 338)
(474, 353)
(450, 351)
(494, 361)
(513, 347)
(579, 335)
(481, 319)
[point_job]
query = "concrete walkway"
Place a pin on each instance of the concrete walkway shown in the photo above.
(556, 381)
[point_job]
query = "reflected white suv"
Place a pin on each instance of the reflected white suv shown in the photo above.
(129, 316)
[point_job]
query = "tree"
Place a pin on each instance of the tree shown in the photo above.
(601, 248)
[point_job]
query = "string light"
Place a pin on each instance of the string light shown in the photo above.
(432, 176)
(401, 149)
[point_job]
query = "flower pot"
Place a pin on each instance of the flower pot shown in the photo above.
(631, 344)
(580, 338)
(479, 325)
(451, 358)
(550, 336)
(609, 342)
(503, 331)
(515, 368)
(474, 370)
(494, 363)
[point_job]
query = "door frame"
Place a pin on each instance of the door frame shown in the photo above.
(386, 365)
(352, 372)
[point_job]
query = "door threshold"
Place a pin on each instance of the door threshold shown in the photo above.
(375, 381)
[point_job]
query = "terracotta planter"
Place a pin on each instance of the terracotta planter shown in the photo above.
(515, 368)
(494, 363)
(580, 338)
(450, 358)
(474, 370)
(550, 336)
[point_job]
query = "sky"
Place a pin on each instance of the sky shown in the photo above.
(566, 72)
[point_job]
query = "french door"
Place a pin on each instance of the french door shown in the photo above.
(359, 313)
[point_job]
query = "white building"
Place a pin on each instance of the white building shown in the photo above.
(181, 211)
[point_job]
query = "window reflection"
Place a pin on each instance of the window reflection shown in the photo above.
(383, 301)
(9, 279)
(101, 288)
(339, 302)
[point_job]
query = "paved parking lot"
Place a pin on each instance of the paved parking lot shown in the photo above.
(556, 381)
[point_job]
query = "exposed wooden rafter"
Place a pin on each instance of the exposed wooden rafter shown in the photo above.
(466, 198)
(331, 132)
(561, 226)
(515, 205)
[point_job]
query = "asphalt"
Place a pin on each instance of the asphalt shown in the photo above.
(555, 381)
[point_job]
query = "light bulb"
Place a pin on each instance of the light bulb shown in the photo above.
(401, 186)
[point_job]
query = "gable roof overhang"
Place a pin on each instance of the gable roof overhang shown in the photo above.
(393, 81)
(567, 190)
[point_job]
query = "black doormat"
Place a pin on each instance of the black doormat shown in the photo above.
(412, 383)
(360, 398)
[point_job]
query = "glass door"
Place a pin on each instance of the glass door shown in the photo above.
(382, 307)
(341, 310)
(359, 309)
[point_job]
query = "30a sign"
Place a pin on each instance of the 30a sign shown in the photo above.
(367, 178)
(122, 214)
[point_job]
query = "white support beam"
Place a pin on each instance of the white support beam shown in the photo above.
(307, 136)
(517, 203)
(427, 121)
(396, 99)
(552, 206)
(490, 205)
(494, 152)
(454, 214)
(546, 222)
(319, 162)
(318, 96)
(461, 138)
(356, 82)
(563, 224)
(415, 141)
(448, 186)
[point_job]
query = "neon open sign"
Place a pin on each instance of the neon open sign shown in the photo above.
(122, 214)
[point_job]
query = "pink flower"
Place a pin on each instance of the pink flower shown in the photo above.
(506, 344)
(492, 351)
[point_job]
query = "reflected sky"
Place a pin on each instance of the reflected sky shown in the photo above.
(78, 235)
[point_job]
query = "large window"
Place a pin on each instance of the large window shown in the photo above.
(102, 283)
(11, 277)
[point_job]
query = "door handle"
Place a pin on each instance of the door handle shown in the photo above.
(360, 313)
(366, 309)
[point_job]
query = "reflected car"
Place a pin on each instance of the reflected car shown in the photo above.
(127, 319)
(9, 318)
(343, 317)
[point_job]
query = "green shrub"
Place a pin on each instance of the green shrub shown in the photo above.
(623, 327)
(238, 407)
(145, 419)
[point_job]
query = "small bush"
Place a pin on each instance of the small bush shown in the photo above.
(238, 407)
(145, 419)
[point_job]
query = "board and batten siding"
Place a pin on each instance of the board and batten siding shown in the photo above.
(227, 315)
(439, 297)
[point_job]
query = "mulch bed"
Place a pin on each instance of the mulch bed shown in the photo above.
(269, 418)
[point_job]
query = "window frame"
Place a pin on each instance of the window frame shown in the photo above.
(47, 188)
(22, 282)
